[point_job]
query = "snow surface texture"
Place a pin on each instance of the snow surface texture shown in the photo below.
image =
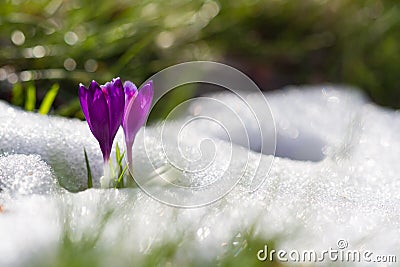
(335, 177)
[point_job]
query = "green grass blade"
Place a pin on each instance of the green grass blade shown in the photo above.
(49, 99)
(119, 157)
(30, 101)
(120, 160)
(89, 171)
(120, 182)
(17, 95)
(117, 152)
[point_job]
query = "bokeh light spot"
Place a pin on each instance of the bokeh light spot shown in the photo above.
(39, 51)
(91, 65)
(25, 76)
(18, 37)
(71, 38)
(165, 39)
(69, 64)
(12, 78)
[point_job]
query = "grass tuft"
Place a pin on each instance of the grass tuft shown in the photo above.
(30, 101)
(89, 171)
(48, 99)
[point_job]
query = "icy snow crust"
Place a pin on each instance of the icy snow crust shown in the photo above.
(336, 176)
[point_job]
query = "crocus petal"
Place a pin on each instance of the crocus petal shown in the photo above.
(83, 93)
(130, 92)
(136, 112)
(99, 118)
(115, 97)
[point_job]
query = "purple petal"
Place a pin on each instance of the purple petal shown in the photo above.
(136, 112)
(83, 98)
(83, 93)
(114, 93)
(130, 92)
(98, 112)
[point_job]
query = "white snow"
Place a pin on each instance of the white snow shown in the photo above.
(335, 177)
(25, 175)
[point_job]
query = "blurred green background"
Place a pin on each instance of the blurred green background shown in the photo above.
(275, 42)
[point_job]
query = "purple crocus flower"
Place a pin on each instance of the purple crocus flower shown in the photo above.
(103, 107)
(137, 105)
